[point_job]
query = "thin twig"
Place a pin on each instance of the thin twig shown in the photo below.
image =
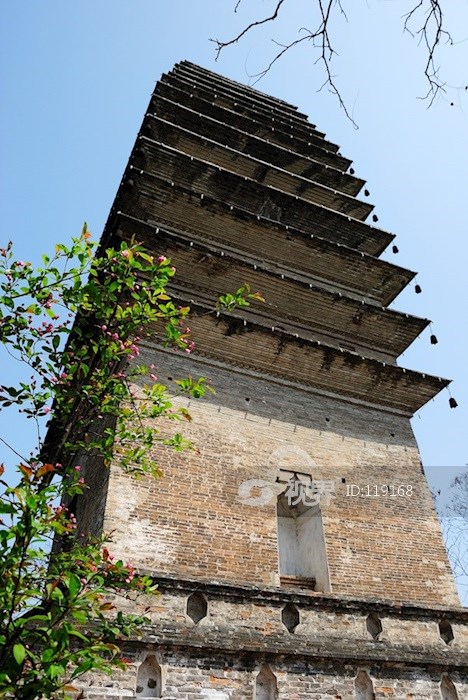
(13, 450)
(222, 44)
(431, 34)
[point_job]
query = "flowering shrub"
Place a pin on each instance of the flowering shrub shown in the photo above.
(56, 622)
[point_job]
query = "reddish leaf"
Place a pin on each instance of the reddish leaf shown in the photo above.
(27, 471)
(45, 469)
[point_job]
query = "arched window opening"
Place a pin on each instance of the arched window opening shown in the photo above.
(363, 686)
(447, 689)
(374, 625)
(301, 541)
(266, 687)
(197, 607)
(149, 684)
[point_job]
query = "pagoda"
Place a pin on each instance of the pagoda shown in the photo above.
(297, 549)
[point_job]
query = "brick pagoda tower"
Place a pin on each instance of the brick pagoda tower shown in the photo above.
(298, 551)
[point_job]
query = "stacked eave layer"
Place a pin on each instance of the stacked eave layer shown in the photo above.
(238, 188)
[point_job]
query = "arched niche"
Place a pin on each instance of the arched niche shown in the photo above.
(447, 689)
(149, 679)
(266, 687)
(364, 688)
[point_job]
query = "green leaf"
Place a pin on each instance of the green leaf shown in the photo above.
(6, 507)
(79, 616)
(74, 585)
(19, 652)
(55, 670)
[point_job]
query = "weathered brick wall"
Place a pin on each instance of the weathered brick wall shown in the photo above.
(191, 522)
(219, 656)
(188, 679)
(187, 676)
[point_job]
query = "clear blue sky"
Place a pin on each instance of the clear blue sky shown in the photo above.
(76, 79)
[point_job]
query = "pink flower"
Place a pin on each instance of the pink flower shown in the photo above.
(20, 263)
(125, 253)
(46, 409)
(78, 468)
(153, 377)
(173, 269)
(162, 258)
(81, 481)
(103, 328)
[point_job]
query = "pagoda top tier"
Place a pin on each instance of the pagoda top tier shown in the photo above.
(238, 187)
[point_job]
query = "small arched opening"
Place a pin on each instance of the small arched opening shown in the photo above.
(266, 687)
(364, 688)
(149, 681)
(447, 689)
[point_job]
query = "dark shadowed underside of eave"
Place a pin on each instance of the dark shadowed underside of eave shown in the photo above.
(179, 117)
(182, 203)
(308, 149)
(263, 182)
(227, 86)
(314, 312)
(229, 338)
(310, 259)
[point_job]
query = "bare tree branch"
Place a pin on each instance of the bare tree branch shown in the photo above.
(319, 37)
(427, 15)
(222, 44)
(431, 34)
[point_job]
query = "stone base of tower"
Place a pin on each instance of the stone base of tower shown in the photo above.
(208, 641)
